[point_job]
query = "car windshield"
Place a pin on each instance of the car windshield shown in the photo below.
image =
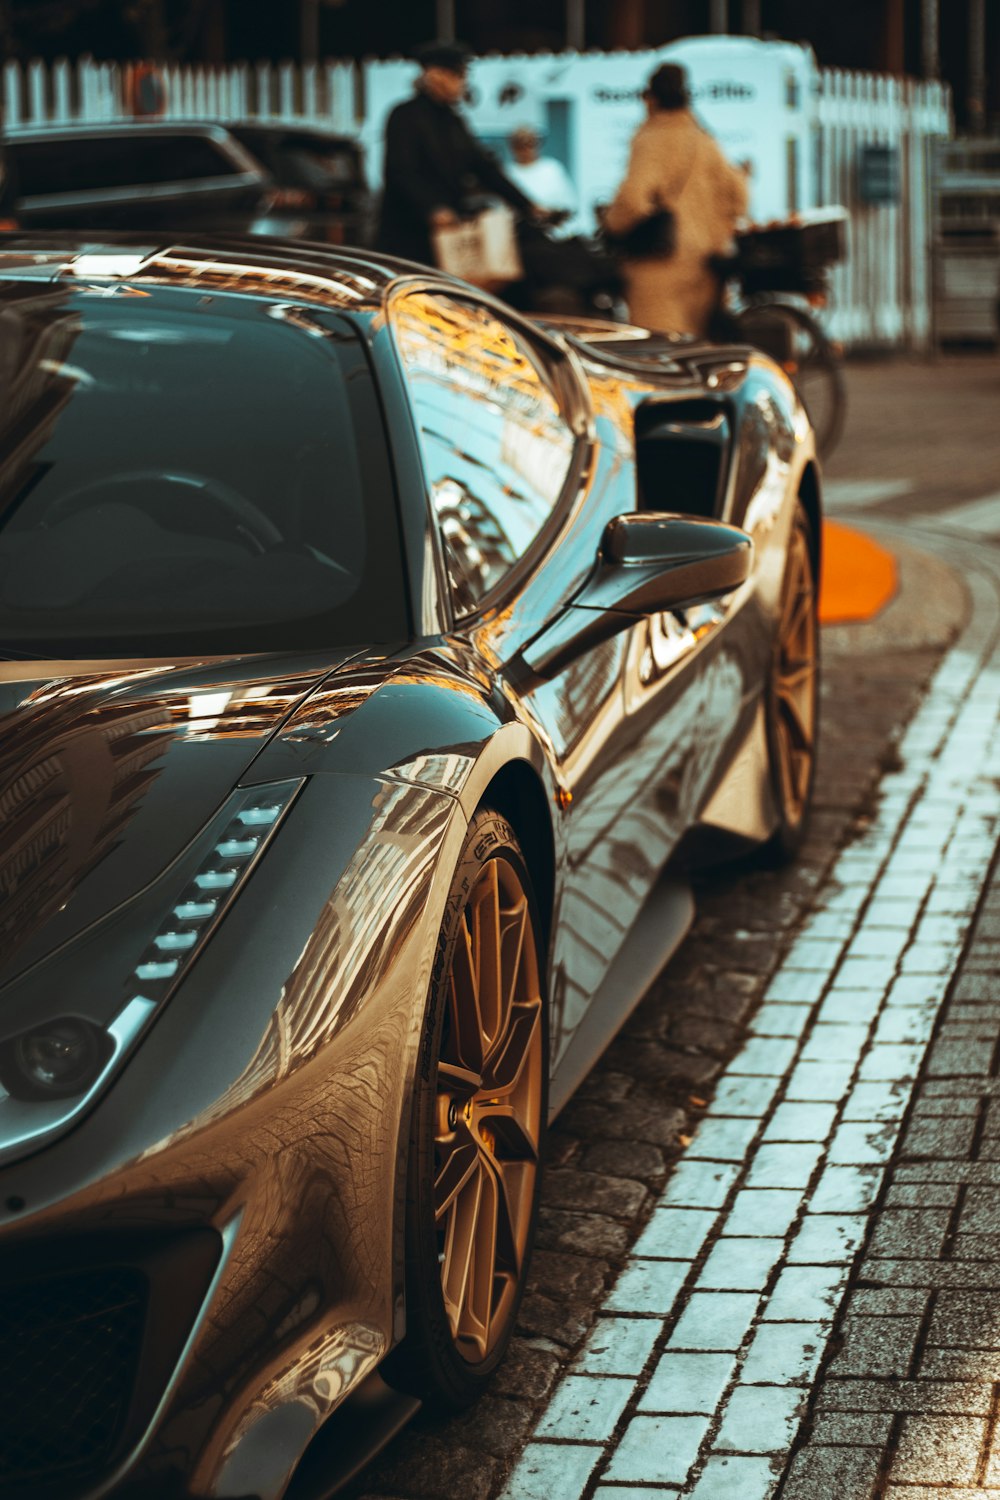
(180, 475)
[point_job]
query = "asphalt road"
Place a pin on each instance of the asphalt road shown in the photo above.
(769, 1245)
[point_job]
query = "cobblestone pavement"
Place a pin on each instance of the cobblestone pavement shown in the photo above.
(779, 1293)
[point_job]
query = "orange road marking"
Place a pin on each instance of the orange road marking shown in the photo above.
(858, 577)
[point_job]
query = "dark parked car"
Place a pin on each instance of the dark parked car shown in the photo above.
(320, 191)
(136, 174)
(375, 663)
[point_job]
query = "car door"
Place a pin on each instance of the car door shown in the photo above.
(522, 492)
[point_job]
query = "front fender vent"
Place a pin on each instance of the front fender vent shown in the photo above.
(682, 450)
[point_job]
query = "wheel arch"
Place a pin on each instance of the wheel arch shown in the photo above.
(509, 778)
(809, 494)
(516, 791)
(515, 794)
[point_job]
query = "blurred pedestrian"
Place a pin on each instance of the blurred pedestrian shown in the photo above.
(543, 179)
(434, 166)
(675, 212)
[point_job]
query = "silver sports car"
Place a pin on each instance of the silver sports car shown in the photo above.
(375, 662)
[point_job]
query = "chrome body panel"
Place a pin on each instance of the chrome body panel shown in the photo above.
(268, 1105)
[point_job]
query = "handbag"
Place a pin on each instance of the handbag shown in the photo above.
(656, 235)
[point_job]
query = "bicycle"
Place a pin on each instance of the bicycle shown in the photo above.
(769, 290)
(574, 276)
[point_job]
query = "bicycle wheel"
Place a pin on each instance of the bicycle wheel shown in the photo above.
(794, 339)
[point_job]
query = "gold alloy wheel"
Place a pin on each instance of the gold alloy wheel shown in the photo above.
(794, 683)
(489, 1106)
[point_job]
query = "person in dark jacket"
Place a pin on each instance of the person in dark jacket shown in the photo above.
(433, 163)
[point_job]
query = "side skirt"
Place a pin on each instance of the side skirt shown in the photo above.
(656, 934)
(743, 802)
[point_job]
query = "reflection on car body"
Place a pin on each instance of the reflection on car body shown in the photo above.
(375, 662)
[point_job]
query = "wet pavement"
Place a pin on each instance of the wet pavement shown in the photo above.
(771, 1218)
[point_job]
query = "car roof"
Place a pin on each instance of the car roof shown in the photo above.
(80, 129)
(299, 130)
(274, 130)
(339, 278)
(354, 280)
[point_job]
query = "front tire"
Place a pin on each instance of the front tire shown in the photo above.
(478, 1122)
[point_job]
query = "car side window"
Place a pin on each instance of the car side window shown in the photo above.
(104, 163)
(180, 158)
(496, 443)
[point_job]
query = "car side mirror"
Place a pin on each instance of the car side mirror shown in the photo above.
(648, 563)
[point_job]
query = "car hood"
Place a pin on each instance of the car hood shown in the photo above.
(107, 772)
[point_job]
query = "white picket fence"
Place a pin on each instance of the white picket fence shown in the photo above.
(882, 292)
(63, 93)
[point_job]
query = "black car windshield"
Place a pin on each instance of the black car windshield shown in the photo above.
(182, 474)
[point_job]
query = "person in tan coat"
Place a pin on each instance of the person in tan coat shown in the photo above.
(675, 164)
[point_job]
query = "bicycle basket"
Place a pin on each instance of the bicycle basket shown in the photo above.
(792, 256)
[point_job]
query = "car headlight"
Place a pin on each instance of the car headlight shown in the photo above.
(51, 1072)
(59, 1059)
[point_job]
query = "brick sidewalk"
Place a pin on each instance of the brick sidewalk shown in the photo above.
(924, 1311)
(908, 1402)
